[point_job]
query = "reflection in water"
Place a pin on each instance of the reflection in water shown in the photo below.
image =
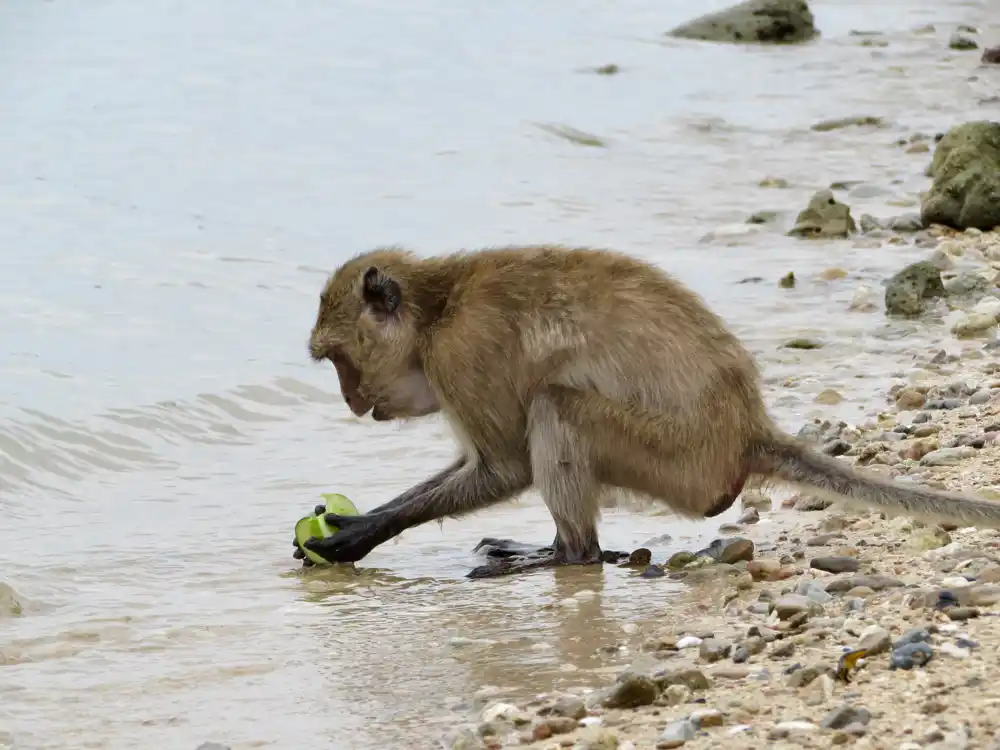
(178, 179)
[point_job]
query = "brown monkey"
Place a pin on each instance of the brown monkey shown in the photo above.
(569, 370)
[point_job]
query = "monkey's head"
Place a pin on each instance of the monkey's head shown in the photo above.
(367, 327)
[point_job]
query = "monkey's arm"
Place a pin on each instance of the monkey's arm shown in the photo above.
(472, 487)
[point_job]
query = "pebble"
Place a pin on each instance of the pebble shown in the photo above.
(741, 654)
(875, 640)
(707, 717)
(845, 715)
(792, 604)
(677, 733)
(750, 516)
(653, 571)
(910, 656)
(836, 564)
(713, 650)
(873, 582)
(569, 706)
(788, 728)
(630, 691)
(913, 635)
(961, 614)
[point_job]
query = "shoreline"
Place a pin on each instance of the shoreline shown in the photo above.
(748, 654)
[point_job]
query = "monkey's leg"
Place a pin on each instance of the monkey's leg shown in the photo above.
(657, 454)
(476, 485)
(561, 470)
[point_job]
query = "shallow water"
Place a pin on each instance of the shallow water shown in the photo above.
(178, 178)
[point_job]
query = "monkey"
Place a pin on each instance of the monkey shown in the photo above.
(570, 370)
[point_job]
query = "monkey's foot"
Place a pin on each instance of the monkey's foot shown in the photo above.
(507, 557)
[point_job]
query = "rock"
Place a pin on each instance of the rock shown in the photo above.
(560, 725)
(756, 500)
(969, 283)
(913, 635)
(677, 733)
(789, 728)
(875, 640)
(972, 324)
(906, 291)
(783, 650)
(680, 559)
(728, 551)
(870, 224)
(991, 56)
(910, 656)
(965, 173)
(569, 706)
(812, 503)
(962, 613)
(707, 717)
(688, 641)
(863, 299)
(962, 43)
(762, 217)
(750, 516)
(873, 582)
(741, 654)
(641, 558)
(653, 571)
(906, 223)
(909, 398)
(630, 691)
(947, 456)
(825, 216)
(764, 570)
(846, 122)
(841, 717)
(607, 70)
(753, 22)
(792, 604)
(675, 695)
(692, 679)
(713, 650)
(836, 564)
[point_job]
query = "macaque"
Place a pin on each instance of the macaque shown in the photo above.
(571, 371)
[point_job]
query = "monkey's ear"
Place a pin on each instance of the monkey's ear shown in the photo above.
(380, 292)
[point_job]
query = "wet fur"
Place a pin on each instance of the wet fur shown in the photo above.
(572, 371)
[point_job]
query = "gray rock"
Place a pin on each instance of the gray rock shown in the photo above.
(753, 22)
(836, 564)
(750, 516)
(728, 551)
(741, 654)
(968, 283)
(873, 582)
(906, 223)
(875, 640)
(913, 635)
(947, 456)
(824, 217)
(962, 43)
(965, 174)
(841, 717)
(569, 706)
(812, 503)
(693, 679)
(792, 604)
(991, 56)
(713, 650)
(870, 224)
(676, 733)
(911, 655)
(630, 691)
(907, 290)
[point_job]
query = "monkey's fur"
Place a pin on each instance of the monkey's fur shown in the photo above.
(569, 370)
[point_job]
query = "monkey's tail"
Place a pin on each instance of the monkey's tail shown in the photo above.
(786, 458)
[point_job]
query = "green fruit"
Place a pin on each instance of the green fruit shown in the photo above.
(316, 526)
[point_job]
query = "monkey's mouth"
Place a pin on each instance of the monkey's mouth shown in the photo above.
(380, 413)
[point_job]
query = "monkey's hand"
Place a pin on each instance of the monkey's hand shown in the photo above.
(356, 536)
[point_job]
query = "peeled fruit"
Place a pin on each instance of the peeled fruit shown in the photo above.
(315, 525)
